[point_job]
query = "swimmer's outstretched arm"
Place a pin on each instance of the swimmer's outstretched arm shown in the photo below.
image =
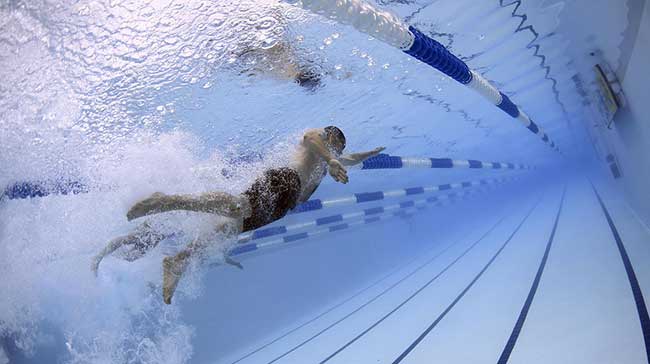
(356, 158)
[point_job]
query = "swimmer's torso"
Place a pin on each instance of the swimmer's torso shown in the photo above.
(311, 168)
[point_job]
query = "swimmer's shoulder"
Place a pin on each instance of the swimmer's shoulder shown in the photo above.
(314, 133)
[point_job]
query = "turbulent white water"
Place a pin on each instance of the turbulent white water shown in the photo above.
(85, 94)
(133, 97)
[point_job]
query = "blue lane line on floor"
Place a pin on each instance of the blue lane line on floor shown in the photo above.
(510, 344)
(415, 293)
(387, 290)
(462, 294)
(323, 313)
(390, 274)
(631, 276)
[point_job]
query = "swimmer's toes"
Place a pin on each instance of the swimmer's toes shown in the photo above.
(94, 266)
(146, 206)
(167, 295)
(135, 212)
(234, 263)
(130, 215)
(173, 268)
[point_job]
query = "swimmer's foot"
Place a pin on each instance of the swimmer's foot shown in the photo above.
(112, 246)
(231, 261)
(151, 205)
(173, 268)
(94, 266)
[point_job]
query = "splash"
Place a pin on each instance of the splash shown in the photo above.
(78, 76)
(86, 91)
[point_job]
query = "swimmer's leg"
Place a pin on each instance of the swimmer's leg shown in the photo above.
(220, 203)
(174, 266)
(173, 269)
(140, 241)
(111, 247)
(286, 65)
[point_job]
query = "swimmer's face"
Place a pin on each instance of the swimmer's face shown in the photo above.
(335, 144)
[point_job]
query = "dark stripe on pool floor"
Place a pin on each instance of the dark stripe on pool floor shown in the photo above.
(419, 290)
(631, 276)
(429, 261)
(393, 272)
(510, 345)
(469, 286)
(390, 274)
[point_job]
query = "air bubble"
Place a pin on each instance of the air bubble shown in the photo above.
(187, 51)
(171, 40)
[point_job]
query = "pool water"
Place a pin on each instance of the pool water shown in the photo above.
(104, 102)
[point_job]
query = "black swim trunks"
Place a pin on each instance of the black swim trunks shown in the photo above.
(272, 196)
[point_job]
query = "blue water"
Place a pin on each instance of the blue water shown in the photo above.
(127, 98)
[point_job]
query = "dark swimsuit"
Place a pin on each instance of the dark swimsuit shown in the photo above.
(272, 196)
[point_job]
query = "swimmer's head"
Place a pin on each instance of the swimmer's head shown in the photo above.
(335, 139)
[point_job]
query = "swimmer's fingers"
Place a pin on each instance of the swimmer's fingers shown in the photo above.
(342, 176)
(337, 171)
(338, 175)
(373, 152)
(334, 175)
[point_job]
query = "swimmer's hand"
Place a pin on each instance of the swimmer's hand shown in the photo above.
(375, 151)
(337, 171)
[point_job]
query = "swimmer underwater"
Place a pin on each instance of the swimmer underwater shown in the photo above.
(268, 199)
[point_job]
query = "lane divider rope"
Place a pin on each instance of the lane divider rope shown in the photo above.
(357, 198)
(403, 209)
(32, 189)
(390, 29)
(386, 161)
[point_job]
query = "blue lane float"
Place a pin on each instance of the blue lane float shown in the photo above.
(357, 214)
(358, 198)
(390, 29)
(35, 189)
(343, 222)
(23, 190)
(336, 218)
(386, 161)
(354, 219)
(249, 247)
